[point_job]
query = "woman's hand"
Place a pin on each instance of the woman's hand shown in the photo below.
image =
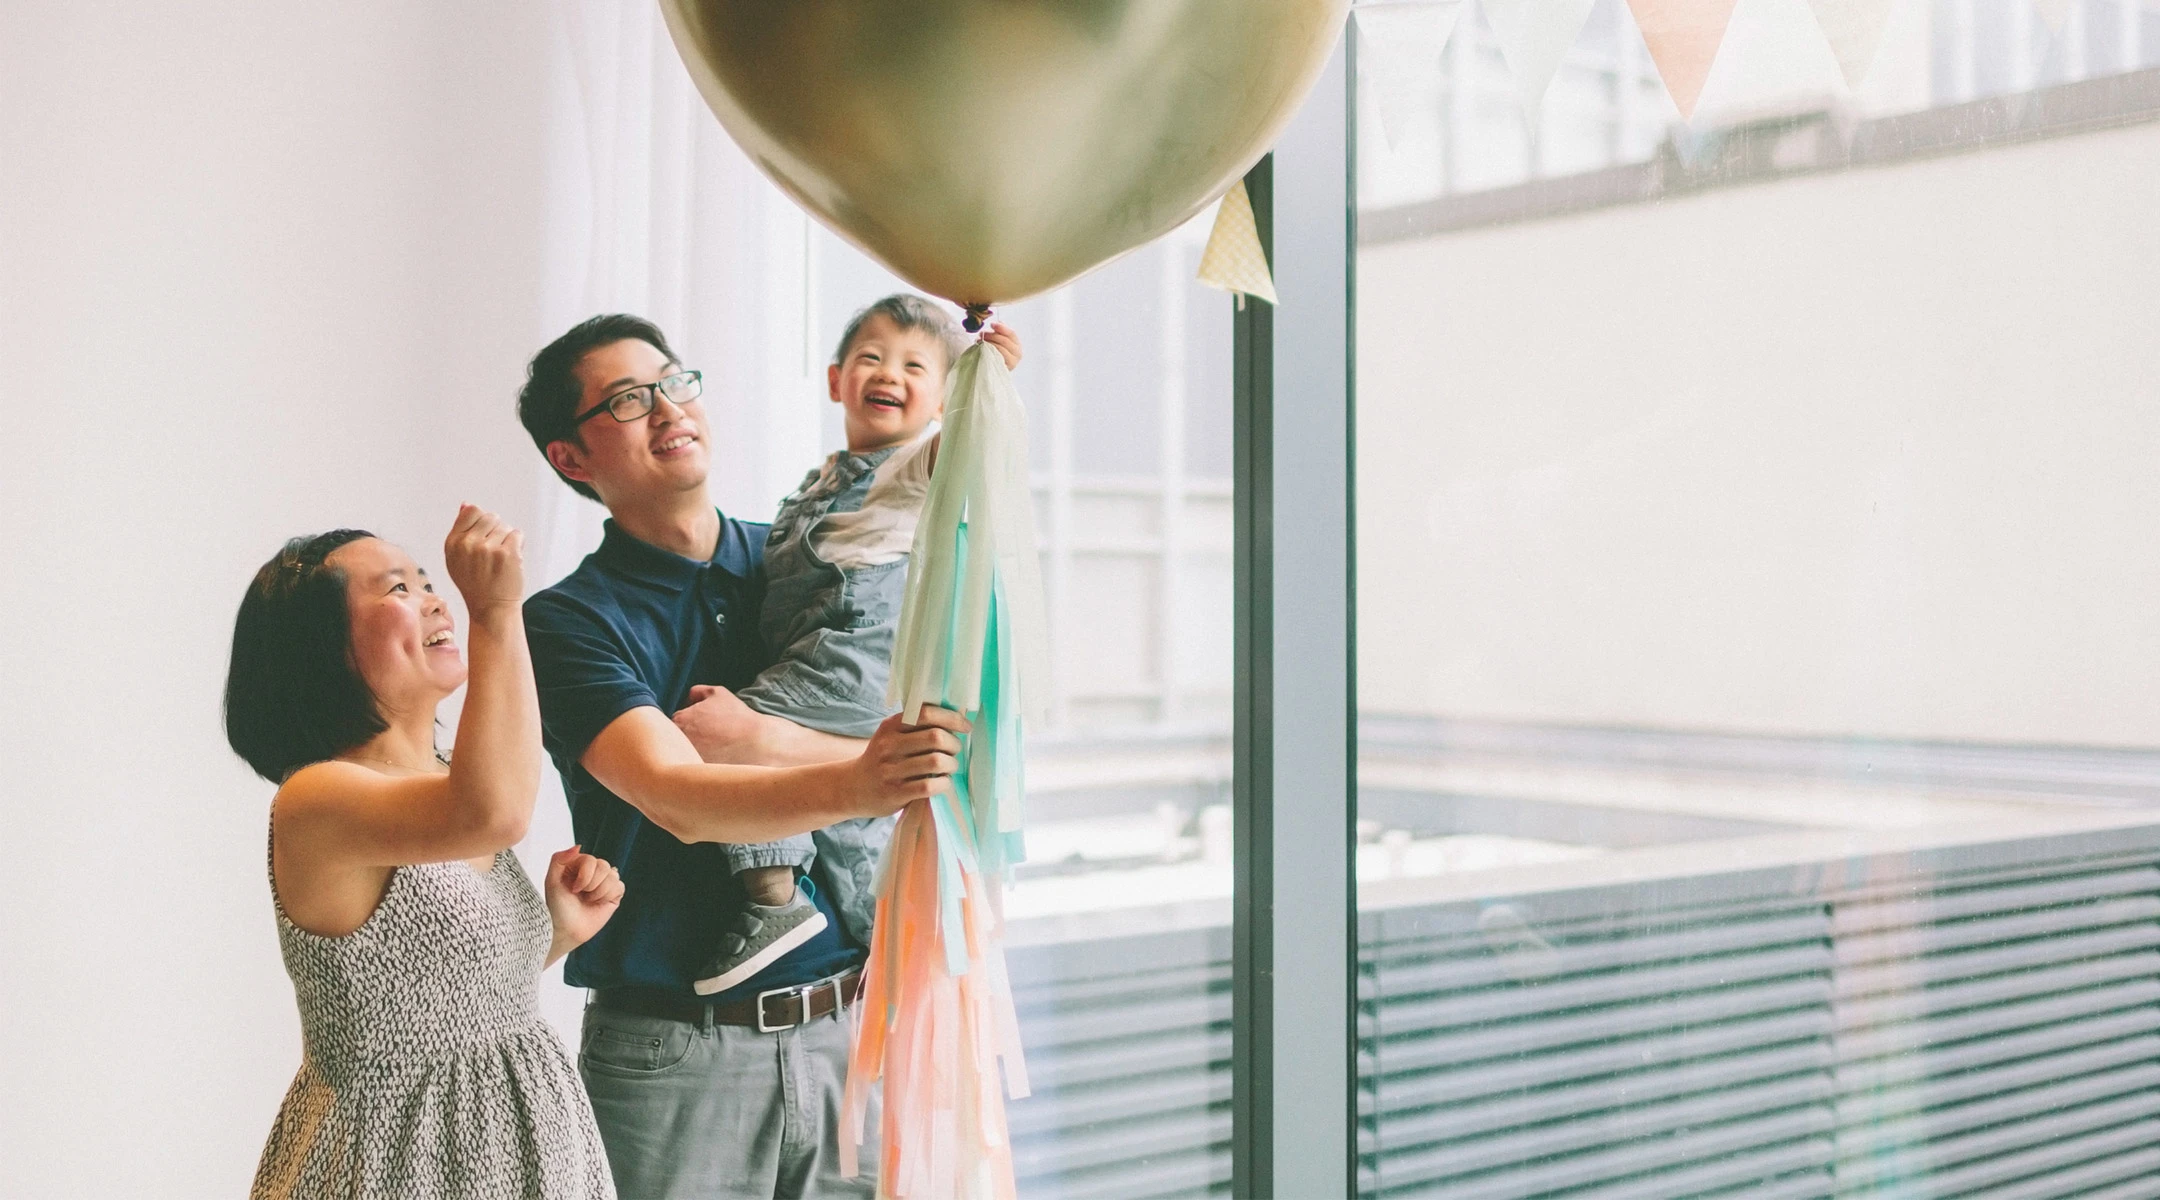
(582, 893)
(1007, 343)
(904, 763)
(486, 559)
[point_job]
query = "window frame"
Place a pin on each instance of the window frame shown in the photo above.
(1294, 909)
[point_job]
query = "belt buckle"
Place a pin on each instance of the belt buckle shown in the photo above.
(800, 991)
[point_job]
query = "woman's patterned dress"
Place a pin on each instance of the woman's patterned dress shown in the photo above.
(429, 1071)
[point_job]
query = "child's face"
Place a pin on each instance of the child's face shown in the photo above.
(891, 384)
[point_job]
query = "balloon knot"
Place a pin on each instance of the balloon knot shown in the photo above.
(978, 315)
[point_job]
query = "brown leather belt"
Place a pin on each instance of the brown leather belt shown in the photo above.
(767, 1012)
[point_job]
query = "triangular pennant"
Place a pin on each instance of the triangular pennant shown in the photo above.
(1233, 260)
(1854, 29)
(1399, 47)
(2053, 13)
(1534, 36)
(1774, 59)
(1683, 37)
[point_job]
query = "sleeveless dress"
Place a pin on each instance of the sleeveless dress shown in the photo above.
(429, 1073)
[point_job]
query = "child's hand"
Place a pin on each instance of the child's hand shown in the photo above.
(723, 728)
(1006, 341)
(582, 893)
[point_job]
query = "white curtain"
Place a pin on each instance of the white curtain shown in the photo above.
(652, 210)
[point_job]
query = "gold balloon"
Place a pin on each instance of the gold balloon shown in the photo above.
(988, 150)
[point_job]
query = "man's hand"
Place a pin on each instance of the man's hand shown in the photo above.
(904, 763)
(1007, 343)
(722, 727)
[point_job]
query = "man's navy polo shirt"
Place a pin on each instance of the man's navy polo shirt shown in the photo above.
(636, 626)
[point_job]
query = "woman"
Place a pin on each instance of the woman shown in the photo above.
(412, 935)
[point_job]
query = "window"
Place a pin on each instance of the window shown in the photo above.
(1756, 726)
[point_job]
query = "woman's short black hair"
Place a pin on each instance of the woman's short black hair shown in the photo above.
(293, 696)
(548, 402)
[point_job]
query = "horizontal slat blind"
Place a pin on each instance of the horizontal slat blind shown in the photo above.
(1976, 1022)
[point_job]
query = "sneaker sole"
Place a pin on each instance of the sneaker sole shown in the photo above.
(749, 967)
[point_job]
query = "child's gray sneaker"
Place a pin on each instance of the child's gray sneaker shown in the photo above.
(757, 938)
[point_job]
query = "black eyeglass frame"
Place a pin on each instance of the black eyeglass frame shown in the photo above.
(650, 393)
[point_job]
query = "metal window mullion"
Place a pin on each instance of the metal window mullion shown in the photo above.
(2024, 72)
(2070, 44)
(1964, 52)
(1293, 1130)
(1462, 96)
(1063, 351)
(1171, 291)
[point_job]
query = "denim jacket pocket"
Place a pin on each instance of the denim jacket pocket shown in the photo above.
(871, 596)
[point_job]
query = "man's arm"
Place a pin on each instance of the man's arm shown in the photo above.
(642, 757)
(725, 730)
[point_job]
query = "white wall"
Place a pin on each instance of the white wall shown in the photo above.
(1860, 453)
(264, 268)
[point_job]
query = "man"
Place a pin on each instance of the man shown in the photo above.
(735, 1094)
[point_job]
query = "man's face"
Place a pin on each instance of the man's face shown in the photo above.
(660, 453)
(891, 384)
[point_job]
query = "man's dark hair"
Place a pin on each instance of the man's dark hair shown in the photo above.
(549, 400)
(292, 695)
(911, 312)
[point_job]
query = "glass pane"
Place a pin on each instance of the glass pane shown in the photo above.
(1119, 921)
(1758, 739)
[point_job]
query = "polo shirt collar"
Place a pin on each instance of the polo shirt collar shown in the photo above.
(625, 554)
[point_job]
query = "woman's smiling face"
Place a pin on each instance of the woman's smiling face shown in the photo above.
(404, 642)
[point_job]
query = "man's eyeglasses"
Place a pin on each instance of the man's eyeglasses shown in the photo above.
(631, 403)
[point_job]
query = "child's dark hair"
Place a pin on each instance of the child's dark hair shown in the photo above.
(547, 404)
(292, 695)
(907, 311)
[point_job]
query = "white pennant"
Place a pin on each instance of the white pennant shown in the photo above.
(2054, 13)
(1399, 47)
(1535, 36)
(1854, 29)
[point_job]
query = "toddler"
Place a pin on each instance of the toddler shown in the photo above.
(836, 568)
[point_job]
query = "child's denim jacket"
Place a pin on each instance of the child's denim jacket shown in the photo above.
(832, 633)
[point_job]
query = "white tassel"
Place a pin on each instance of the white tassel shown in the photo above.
(980, 481)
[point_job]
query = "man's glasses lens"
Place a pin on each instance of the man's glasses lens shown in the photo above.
(632, 403)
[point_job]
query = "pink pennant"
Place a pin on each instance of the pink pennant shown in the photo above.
(1683, 36)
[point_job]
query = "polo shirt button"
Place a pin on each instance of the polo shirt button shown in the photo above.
(719, 620)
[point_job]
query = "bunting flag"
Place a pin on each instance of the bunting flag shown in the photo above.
(1854, 29)
(936, 1023)
(1683, 37)
(1535, 35)
(1234, 260)
(1399, 45)
(2053, 13)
